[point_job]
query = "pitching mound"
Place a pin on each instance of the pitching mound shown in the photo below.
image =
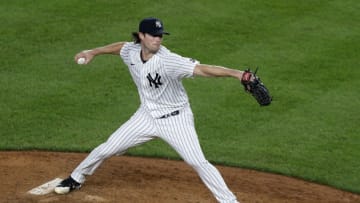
(134, 179)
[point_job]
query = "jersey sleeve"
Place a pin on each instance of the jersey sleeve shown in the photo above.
(178, 66)
(125, 52)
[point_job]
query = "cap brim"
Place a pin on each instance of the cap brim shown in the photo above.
(160, 32)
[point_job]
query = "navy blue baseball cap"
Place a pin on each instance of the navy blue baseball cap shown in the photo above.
(152, 26)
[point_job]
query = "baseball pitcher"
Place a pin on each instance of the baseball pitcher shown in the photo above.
(164, 111)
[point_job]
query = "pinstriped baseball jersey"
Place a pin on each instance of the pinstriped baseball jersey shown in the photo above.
(158, 80)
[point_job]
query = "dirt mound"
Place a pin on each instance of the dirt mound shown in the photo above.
(135, 179)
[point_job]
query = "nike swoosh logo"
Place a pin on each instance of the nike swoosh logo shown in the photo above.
(132, 64)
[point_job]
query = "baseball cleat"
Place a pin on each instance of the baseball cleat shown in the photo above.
(66, 186)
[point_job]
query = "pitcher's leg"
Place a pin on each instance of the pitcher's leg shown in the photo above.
(180, 133)
(137, 130)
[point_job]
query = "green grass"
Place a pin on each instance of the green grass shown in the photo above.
(308, 53)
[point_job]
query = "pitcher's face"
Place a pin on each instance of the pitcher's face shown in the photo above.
(151, 42)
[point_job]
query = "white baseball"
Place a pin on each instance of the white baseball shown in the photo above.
(81, 61)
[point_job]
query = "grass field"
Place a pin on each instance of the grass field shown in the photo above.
(308, 54)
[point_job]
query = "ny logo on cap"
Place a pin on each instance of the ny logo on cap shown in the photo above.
(158, 24)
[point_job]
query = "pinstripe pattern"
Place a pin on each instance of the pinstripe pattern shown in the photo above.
(157, 100)
(137, 130)
(179, 132)
(171, 67)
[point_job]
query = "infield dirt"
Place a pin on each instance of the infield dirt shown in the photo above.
(136, 179)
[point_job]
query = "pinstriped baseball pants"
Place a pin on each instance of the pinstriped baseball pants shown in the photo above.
(178, 131)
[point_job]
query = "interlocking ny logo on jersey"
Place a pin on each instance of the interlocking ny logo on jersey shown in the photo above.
(154, 81)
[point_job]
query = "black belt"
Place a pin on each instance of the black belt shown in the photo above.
(174, 113)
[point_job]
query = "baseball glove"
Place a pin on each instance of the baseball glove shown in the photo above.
(255, 87)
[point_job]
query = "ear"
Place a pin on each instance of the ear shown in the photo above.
(141, 36)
